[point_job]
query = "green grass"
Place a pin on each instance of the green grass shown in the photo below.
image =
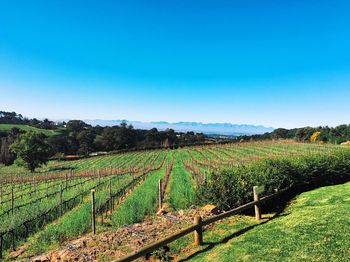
(8, 127)
(12, 169)
(246, 152)
(315, 227)
(281, 237)
(74, 223)
(182, 186)
(32, 210)
(122, 160)
(141, 202)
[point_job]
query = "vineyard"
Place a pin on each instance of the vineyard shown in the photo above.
(53, 205)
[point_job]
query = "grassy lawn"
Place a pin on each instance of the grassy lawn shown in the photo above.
(8, 127)
(315, 227)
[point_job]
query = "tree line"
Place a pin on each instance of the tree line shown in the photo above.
(79, 138)
(324, 134)
(18, 119)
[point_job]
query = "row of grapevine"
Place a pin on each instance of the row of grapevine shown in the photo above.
(14, 231)
(107, 199)
(214, 157)
(117, 163)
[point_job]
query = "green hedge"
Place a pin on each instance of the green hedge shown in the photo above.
(229, 188)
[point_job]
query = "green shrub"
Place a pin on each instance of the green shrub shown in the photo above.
(231, 187)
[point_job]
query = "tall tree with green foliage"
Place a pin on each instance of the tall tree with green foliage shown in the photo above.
(31, 150)
(86, 142)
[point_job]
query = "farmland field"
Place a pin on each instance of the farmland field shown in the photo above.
(8, 127)
(53, 205)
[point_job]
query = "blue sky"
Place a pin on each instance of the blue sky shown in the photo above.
(276, 63)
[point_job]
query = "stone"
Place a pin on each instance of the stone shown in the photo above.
(161, 212)
(181, 213)
(211, 209)
(166, 206)
(42, 258)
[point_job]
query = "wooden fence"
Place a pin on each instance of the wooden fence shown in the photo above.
(198, 225)
(21, 231)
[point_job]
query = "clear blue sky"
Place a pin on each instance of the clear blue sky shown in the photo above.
(276, 63)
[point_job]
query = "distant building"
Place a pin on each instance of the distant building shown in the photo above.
(102, 153)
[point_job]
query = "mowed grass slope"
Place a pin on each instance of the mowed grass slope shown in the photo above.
(315, 227)
(8, 127)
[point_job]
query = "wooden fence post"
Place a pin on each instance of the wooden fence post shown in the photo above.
(110, 193)
(99, 177)
(13, 240)
(12, 200)
(61, 199)
(160, 194)
(1, 240)
(93, 215)
(47, 191)
(82, 190)
(257, 206)
(33, 183)
(198, 233)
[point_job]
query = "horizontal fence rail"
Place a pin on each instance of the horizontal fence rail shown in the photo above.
(198, 227)
(56, 211)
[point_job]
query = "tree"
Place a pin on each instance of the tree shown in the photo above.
(76, 126)
(126, 138)
(171, 137)
(6, 157)
(152, 137)
(59, 142)
(109, 138)
(315, 136)
(31, 150)
(86, 142)
(280, 133)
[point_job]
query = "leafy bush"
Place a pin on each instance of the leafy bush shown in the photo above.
(231, 187)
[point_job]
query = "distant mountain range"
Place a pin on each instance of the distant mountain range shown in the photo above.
(197, 127)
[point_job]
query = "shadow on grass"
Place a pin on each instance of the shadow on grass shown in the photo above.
(211, 245)
(276, 206)
(61, 168)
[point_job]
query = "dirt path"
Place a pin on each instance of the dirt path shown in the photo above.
(115, 244)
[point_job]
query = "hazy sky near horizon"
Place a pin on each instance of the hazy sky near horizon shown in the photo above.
(275, 63)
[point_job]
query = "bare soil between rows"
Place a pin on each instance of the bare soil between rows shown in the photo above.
(115, 244)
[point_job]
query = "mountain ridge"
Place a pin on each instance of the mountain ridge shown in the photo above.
(182, 126)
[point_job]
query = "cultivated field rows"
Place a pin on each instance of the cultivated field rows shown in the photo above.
(58, 202)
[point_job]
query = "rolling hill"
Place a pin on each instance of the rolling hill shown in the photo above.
(8, 127)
